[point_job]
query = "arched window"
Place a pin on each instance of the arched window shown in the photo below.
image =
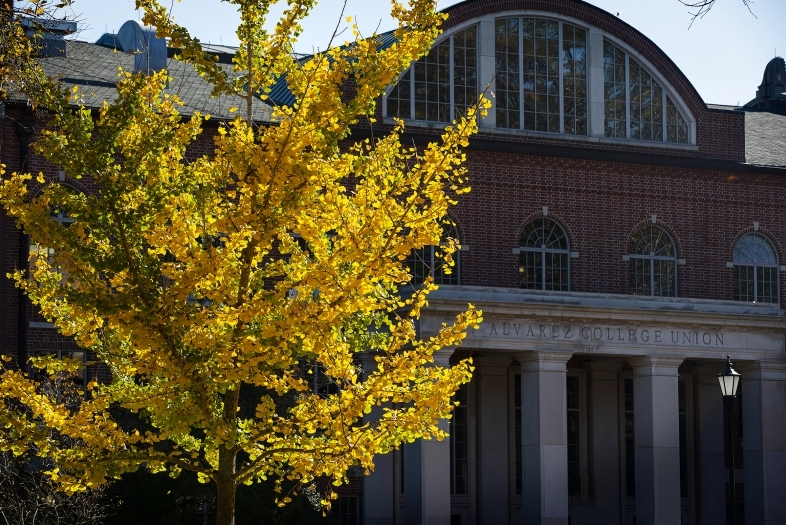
(440, 86)
(631, 91)
(60, 216)
(653, 263)
(58, 212)
(755, 270)
(541, 75)
(429, 261)
(544, 254)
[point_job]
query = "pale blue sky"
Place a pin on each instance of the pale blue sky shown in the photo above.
(723, 54)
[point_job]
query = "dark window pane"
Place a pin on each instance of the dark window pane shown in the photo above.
(614, 91)
(507, 59)
(459, 444)
(630, 444)
(683, 437)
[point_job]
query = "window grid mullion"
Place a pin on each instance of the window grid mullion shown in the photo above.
(457, 262)
(553, 250)
(654, 257)
(560, 88)
(755, 283)
(663, 114)
(451, 68)
(521, 73)
(412, 89)
(652, 277)
(627, 96)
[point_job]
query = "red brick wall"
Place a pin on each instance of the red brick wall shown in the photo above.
(721, 135)
(601, 204)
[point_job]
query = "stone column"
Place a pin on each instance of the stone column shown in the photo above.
(605, 440)
(656, 430)
(711, 454)
(427, 474)
(544, 438)
(492, 380)
(764, 442)
(379, 486)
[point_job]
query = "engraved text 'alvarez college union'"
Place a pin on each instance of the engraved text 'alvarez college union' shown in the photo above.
(603, 334)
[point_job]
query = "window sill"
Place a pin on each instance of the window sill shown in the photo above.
(409, 123)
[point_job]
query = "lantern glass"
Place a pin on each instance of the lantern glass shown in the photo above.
(729, 380)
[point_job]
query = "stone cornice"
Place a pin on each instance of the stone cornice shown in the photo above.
(500, 303)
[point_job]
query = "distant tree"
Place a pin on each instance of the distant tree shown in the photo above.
(20, 73)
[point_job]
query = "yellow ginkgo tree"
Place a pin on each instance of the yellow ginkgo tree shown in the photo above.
(201, 282)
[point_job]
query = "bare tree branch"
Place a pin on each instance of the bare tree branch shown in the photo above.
(704, 6)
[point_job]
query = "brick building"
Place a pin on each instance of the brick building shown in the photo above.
(622, 237)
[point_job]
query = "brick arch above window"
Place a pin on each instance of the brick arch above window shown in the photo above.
(623, 33)
(73, 184)
(764, 232)
(678, 246)
(572, 242)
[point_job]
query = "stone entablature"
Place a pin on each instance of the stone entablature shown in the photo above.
(523, 320)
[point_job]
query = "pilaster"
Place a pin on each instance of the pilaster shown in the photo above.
(764, 441)
(492, 380)
(379, 485)
(427, 473)
(544, 437)
(487, 69)
(656, 427)
(605, 440)
(595, 80)
(711, 452)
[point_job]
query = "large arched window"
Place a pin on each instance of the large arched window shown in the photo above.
(440, 86)
(541, 75)
(755, 270)
(544, 254)
(653, 263)
(634, 102)
(429, 261)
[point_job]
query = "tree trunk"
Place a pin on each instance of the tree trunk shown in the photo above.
(225, 477)
(225, 495)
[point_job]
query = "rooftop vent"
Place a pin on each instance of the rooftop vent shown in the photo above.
(48, 34)
(141, 41)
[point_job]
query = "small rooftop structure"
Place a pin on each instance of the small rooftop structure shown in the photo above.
(49, 34)
(139, 40)
(771, 95)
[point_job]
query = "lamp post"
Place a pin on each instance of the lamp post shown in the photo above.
(729, 380)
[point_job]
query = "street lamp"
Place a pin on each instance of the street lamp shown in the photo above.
(729, 380)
